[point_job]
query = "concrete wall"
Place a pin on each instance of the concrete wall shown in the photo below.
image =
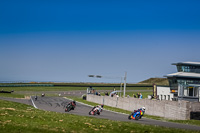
(179, 110)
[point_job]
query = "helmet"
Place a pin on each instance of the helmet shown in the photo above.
(102, 105)
(143, 108)
(74, 102)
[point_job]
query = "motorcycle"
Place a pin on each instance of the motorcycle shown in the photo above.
(94, 111)
(42, 95)
(136, 115)
(35, 98)
(69, 107)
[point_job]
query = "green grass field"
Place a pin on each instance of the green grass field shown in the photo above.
(20, 92)
(16, 117)
(14, 95)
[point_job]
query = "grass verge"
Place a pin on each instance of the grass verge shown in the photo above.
(13, 95)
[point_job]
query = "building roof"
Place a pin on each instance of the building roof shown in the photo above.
(184, 75)
(187, 63)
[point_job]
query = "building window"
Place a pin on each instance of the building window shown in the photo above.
(164, 97)
(173, 84)
(183, 68)
(190, 91)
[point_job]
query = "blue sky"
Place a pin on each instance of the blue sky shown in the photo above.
(67, 40)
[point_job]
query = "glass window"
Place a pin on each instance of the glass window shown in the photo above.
(183, 68)
(190, 91)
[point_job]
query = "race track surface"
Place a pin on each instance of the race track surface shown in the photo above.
(57, 104)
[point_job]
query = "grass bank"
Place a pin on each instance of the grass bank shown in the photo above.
(16, 117)
(13, 95)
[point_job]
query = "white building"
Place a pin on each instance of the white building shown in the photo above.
(164, 93)
(183, 85)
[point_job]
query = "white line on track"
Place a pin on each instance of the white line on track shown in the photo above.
(33, 103)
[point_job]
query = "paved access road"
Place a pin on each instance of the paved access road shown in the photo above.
(57, 104)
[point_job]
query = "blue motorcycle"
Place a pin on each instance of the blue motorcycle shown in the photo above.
(136, 115)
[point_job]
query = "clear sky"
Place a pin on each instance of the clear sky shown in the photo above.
(62, 40)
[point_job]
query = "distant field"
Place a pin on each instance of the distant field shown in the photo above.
(75, 84)
(68, 88)
(30, 89)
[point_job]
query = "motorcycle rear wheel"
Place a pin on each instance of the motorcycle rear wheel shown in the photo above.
(95, 112)
(137, 117)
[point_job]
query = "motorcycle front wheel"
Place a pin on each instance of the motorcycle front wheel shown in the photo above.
(67, 109)
(90, 113)
(129, 117)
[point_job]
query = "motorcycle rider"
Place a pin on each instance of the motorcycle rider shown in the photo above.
(143, 109)
(72, 104)
(137, 114)
(36, 98)
(43, 95)
(99, 108)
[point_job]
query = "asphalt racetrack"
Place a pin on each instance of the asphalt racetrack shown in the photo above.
(57, 104)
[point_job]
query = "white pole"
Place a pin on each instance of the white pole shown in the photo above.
(121, 87)
(125, 84)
